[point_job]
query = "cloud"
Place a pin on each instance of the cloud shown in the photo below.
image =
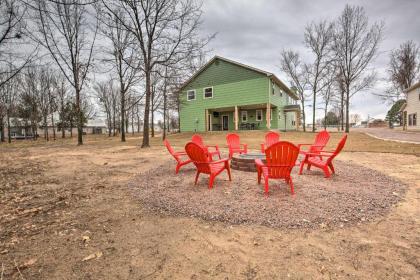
(254, 32)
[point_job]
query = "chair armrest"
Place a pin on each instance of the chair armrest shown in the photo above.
(320, 153)
(279, 165)
(213, 146)
(259, 162)
(299, 145)
(219, 161)
(180, 153)
(262, 147)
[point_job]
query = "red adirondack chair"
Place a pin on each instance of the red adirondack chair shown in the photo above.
(199, 141)
(321, 140)
(177, 156)
(235, 145)
(280, 160)
(270, 138)
(201, 160)
(323, 159)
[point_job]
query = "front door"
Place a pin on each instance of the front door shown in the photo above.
(225, 122)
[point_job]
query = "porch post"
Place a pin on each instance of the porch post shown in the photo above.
(268, 115)
(206, 119)
(236, 118)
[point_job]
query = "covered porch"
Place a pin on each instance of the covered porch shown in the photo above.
(246, 117)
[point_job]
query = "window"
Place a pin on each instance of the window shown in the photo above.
(208, 92)
(244, 116)
(191, 95)
(271, 114)
(281, 93)
(259, 115)
(412, 119)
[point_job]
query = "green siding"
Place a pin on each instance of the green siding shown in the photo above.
(279, 99)
(233, 85)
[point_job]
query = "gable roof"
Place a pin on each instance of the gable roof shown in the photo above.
(268, 74)
(413, 87)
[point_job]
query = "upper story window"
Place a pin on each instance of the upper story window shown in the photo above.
(244, 116)
(191, 95)
(258, 115)
(208, 92)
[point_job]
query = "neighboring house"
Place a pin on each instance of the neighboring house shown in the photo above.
(411, 109)
(228, 95)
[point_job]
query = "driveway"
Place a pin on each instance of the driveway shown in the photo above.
(392, 134)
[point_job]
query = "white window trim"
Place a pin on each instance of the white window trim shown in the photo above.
(256, 116)
(271, 114)
(204, 93)
(195, 94)
(246, 116)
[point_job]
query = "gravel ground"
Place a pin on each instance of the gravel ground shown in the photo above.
(355, 194)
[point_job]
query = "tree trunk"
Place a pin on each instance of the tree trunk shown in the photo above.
(53, 126)
(71, 129)
(1, 129)
(342, 111)
(114, 132)
(303, 115)
(122, 124)
(9, 134)
(152, 123)
(46, 129)
(146, 142)
(79, 118)
(164, 108)
(347, 108)
(132, 121)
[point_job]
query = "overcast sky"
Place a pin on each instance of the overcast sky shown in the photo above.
(255, 31)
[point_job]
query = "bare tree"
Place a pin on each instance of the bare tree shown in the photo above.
(8, 98)
(15, 50)
(328, 93)
(125, 60)
(404, 70)
(62, 102)
(166, 32)
(64, 29)
(107, 95)
(292, 65)
(355, 45)
(317, 38)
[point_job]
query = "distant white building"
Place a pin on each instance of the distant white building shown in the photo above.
(411, 109)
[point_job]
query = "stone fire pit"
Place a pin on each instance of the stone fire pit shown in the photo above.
(246, 162)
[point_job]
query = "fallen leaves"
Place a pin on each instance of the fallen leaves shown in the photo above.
(93, 256)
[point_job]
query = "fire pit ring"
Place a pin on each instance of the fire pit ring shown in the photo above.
(246, 162)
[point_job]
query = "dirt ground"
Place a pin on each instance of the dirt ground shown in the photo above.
(68, 212)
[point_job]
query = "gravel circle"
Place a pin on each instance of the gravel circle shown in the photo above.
(355, 194)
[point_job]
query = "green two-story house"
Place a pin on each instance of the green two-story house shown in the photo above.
(228, 95)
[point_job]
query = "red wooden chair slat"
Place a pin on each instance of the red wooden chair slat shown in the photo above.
(177, 156)
(270, 138)
(321, 140)
(199, 141)
(202, 162)
(280, 160)
(234, 144)
(323, 159)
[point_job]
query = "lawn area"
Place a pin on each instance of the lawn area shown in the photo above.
(74, 212)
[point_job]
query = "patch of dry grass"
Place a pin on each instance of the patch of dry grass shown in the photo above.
(357, 141)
